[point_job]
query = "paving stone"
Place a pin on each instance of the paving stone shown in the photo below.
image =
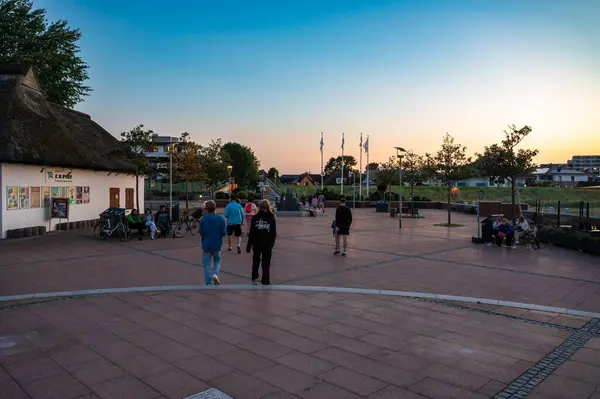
(175, 383)
(34, 370)
(352, 381)
(287, 379)
(204, 367)
(327, 391)
(126, 387)
(305, 363)
(393, 392)
(246, 361)
(59, 387)
(95, 371)
(241, 385)
(437, 389)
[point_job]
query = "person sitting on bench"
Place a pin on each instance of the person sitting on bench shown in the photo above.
(135, 222)
(505, 230)
(163, 220)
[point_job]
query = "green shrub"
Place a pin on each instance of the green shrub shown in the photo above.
(376, 196)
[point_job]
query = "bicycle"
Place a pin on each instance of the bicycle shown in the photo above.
(104, 229)
(184, 225)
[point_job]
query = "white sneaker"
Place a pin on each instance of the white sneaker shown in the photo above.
(215, 280)
(514, 247)
(489, 244)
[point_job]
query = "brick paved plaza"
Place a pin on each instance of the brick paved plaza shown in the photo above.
(301, 344)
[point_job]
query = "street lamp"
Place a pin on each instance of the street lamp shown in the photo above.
(400, 154)
(353, 171)
(170, 150)
(229, 168)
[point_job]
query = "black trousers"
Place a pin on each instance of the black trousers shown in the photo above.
(509, 239)
(138, 226)
(262, 255)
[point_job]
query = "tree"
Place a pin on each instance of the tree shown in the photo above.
(186, 163)
(212, 163)
(503, 163)
(373, 166)
(335, 164)
(450, 164)
(136, 143)
(244, 162)
(414, 170)
(388, 173)
(27, 38)
(272, 174)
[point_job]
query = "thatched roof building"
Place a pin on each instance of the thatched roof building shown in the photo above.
(37, 132)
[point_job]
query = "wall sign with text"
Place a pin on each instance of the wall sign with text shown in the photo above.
(59, 176)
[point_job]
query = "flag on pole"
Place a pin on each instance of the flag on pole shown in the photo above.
(343, 141)
(322, 142)
(361, 142)
(366, 145)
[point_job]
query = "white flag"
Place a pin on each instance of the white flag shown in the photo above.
(366, 145)
(343, 141)
(322, 142)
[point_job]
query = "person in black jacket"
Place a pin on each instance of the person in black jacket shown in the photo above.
(343, 220)
(261, 239)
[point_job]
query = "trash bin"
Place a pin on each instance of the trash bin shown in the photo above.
(175, 211)
(487, 229)
(382, 207)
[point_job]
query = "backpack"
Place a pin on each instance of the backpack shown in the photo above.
(249, 207)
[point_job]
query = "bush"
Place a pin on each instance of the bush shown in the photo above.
(221, 195)
(376, 196)
(381, 187)
(573, 240)
(252, 196)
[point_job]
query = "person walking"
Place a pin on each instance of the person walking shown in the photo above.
(212, 229)
(343, 221)
(263, 232)
(322, 202)
(235, 218)
(250, 210)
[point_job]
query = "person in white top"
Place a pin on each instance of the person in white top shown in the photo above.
(249, 211)
(522, 229)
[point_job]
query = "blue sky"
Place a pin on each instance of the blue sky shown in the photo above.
(274, 74)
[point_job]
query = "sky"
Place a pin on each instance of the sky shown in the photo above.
(273, 75)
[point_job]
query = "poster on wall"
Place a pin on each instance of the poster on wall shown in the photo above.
(12, 197)
(64, 192)
(79, 195)
(23, 197)
(86, 195)
(60, 208)
(35, 197)
(55, 192)
(59, 175)
(71, 195)
(46, 196)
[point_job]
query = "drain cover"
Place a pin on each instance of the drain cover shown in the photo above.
(211, 393)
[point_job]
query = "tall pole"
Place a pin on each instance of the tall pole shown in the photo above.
(368, 177)
(353, 190)
(360, 171)
(230, 185)
(342, 191)
(400, 198)
(321, 161)
(171, 185)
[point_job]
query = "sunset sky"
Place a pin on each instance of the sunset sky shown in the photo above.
(274, 74)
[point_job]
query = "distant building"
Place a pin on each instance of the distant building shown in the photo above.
(563, 177)
(304, 179)
(590, 163)
(159, 158)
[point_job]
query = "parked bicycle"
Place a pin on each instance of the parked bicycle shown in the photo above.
(107, 227)
(186, 224)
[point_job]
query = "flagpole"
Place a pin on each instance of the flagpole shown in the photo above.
(360, 171)
(342, 191)
(368, 177)
(321, 161)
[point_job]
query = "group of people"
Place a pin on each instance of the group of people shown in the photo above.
(502, 230)
(160, 222)
(317, 201)
(262, 233)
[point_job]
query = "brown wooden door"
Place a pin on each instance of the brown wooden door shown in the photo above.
(115, 197)
(129, 198)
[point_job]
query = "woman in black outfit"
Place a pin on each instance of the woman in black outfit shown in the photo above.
(261, 240)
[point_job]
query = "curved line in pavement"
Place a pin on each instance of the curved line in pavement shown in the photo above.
(366, 291)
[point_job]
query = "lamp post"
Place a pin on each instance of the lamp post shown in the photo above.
(400, 154)
(229, 168)
(353, 174)
(170, 150)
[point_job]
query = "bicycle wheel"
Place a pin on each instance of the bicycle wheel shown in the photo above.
(193, 227)
(122, 230)
(180, 229)
(100, 231)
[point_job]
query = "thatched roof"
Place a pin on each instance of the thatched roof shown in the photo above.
(36, 131)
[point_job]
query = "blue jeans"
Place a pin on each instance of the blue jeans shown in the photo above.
(216, 259)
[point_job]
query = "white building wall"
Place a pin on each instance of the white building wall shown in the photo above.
(565, 178)
(26, 175)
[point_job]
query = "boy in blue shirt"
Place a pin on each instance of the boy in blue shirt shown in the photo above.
(235, 217)
(212, 230)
